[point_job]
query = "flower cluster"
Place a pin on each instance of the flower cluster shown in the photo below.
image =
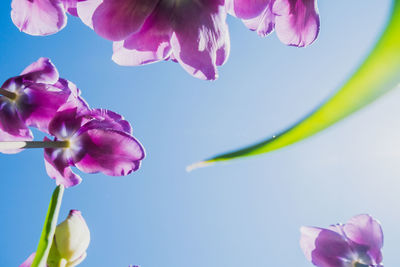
(357, 243)
(93, 140)
(193, 33)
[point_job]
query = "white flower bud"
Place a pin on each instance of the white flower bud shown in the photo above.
(72, 238)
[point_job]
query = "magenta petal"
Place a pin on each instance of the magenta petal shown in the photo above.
(127, 57)
(264, 23)
(28, 262)
(150, 44)
(65, 123)
(58, 167)
(199, 35)
(41, 71)
(107, 119)
(325, 248)
(117, 19)
(74, 100)
(85, 10)
(297, 21)
(38, 17)
(246, 9)
(366, 231)
(36, 109)
(222, 53)
(12, 127)
(155, 32)
(70, 7)
(111, 152)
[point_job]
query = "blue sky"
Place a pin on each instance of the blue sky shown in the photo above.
(246, 213)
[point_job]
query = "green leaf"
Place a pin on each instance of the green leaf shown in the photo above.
(49, 228)
(377, 75)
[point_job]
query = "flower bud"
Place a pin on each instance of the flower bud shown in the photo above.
(72, 238)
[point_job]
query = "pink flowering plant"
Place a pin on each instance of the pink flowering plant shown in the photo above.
(193, 33)
(93, 140)
(96, 141)
(24, 100)
(357, 243)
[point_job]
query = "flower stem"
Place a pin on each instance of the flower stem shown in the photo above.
(49, 228)
(33, 144)
(8, 94)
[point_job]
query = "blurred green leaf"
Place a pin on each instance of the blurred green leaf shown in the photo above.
(377, 75)
(49, 228)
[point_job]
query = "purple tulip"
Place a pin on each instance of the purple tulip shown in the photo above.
(41, 17)
(25, 101)
(296, 21)
(193, 33)
(94, 141)
(357, 243)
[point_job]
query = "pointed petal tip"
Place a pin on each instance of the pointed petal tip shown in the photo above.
(198, 165)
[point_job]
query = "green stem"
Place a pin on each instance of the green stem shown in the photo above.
(49, 228)
(12, 145)
(8, 94)
(379, 74)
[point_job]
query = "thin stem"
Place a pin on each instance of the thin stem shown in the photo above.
(49, 228)
(32, 144)
(8, 94)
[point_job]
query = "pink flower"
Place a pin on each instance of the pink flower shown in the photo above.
(24, 100)
(354, 244)
(97, 141)
(41, 17)
(296, 21)
(193, 33)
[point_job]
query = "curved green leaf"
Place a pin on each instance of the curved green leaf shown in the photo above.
(49, 228)
(378, 74)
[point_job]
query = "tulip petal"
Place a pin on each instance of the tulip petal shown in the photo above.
(38, 17)
(134, 57)
(297, 21)
(117, 19)
(65, 123)
(85, 10)
(263, 24)
(74, 100)
(70, 7)
(150, 44)
(12, 127)
(72, 238)
(199, 34)
(57, 167)
(325, 248)
(36, 109)
(41, 71)
(366, 231)
(107, 119)
(246, 9)
(108, 151)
